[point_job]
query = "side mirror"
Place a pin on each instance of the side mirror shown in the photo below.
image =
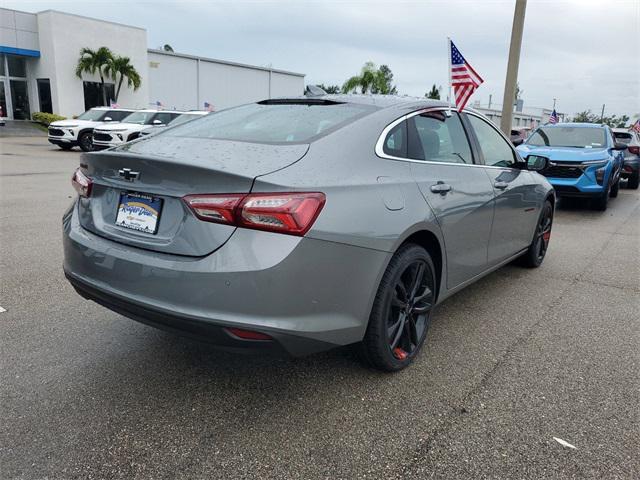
(620, 146)
(517, 141)
(108, 119)
(537, 163)
(157, 122)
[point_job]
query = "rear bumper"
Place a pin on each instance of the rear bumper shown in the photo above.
(631, 167)
(309, 295)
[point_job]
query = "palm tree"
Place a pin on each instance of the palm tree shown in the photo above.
(122, 66)
(371, 80)
(92, 61)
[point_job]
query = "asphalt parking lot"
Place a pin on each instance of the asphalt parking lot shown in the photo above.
(517, 359)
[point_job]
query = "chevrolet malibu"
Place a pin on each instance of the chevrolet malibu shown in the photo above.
(298, 225)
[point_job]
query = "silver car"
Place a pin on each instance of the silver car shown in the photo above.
(302, 224)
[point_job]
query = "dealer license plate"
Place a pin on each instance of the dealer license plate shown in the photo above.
(139, 212)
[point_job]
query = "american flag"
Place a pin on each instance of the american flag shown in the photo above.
(208, 107)
(159, 104)
(464, 78)
(636, 126)
(554, 117)
(114, 105)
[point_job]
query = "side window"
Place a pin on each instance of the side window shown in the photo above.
(437, 138)
(396, 141)
(497, 152)
(164, 117)
(116, 116)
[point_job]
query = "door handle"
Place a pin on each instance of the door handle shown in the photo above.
(501, 185)
(441, 188)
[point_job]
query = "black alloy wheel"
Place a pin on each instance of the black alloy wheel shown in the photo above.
(536, 252)
(86, 142)
(402, 310)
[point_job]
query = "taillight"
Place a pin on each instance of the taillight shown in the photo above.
(81, 183)
(292, 213)
(635, 150)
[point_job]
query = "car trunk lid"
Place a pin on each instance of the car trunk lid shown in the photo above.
(165, 169)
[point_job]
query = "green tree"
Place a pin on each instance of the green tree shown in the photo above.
(331, 89)
(167, 48)
(434, 93)
(613, 121)
(371, 80)
(92, 61)
(122, 66)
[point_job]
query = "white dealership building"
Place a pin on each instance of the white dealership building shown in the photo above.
(39, 53)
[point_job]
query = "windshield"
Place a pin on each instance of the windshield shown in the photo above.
(93, 115)
(579, 137)
(273, 121)
(141, 118)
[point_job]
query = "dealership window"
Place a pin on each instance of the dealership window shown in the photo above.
(93, 94)
(44, 95)
(17, 66)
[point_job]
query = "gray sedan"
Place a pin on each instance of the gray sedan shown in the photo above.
(302, 224)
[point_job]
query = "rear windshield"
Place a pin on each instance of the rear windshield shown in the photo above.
(273, 122)
(579, 137)
(622, 136)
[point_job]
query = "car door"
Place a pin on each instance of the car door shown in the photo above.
(517, 197)
(458, 192)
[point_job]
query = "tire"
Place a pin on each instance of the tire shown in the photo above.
(86, 142)
(601, 202)
(634, 180)
(65, 146)
(401, 311)
(614, 190)
(534, 256)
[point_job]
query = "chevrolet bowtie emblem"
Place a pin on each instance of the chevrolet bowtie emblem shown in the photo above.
(128, 175)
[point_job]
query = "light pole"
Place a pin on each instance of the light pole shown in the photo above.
(512, 66)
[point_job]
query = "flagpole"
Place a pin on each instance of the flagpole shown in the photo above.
(449, 97)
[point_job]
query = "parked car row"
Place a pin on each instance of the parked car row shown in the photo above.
(586, 160)
(104, 127)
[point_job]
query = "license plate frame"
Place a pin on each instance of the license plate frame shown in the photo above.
(139, 212)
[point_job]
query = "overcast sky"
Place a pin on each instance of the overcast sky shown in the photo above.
(582, 52)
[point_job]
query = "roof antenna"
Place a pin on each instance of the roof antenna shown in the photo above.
(314, 91)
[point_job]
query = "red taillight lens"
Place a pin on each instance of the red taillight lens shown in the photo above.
(248, 334)
(291, 213)
(214, 208)
(81, 183)
(635, 150)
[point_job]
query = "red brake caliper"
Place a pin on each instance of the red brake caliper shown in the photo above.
(399, 353)
(546, 236)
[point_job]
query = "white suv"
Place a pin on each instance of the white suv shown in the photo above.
(77, 131)
(112, 135)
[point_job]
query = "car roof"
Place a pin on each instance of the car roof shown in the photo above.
(576, 125)
(380, 101)
(621, 130)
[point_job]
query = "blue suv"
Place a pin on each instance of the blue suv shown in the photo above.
(585, 160)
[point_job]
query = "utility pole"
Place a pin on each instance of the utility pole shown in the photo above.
(512, 66)
(490, 101)
(602, 114)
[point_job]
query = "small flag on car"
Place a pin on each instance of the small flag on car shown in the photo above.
(114, 105)
(159, 104)
(208, 107)
(463, 78)
(553, 118)
(636, 126)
